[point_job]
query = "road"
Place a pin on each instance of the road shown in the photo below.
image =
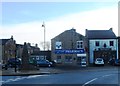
(107, 77)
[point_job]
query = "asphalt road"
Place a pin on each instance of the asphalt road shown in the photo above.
(107, 77)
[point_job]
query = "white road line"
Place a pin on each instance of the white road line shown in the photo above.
(96, 79)
(34, 76)
(1, 81)
(107, 75)
(90, 81)
(17, 79)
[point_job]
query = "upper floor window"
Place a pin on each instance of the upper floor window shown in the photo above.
(111, 43)
(79, 44)
(97, 43)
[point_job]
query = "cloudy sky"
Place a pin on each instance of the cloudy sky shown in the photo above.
(23, 20)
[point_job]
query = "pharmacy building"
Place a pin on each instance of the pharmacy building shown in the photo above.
(68, 48)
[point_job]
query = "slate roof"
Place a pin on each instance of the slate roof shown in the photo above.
(71, 31)
(33, 47)
(3, 41)
(100, 34)
(19, 45)
(41, 52)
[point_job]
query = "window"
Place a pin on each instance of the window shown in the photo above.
(68, 58)
(97, 43)
(79, 44)
(58, 59)
(111, 43)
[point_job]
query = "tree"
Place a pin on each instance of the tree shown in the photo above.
(47, 45)
(25, 58)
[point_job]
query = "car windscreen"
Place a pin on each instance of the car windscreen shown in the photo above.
(99, 59)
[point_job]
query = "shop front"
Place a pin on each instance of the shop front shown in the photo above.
(81, 58)
(106, 54)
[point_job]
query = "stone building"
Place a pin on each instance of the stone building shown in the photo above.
(8, 49)
(101, 44)
(31, 49)
(68, 48)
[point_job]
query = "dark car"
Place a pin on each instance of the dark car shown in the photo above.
(12, 62)
(43, 63)
(111, 61)
(53, 63)
(2, 66)
(117, 62)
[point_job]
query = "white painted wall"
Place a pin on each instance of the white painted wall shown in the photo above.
(92, 46)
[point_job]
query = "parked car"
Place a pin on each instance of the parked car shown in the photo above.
(3, 66)
(117, 62)
(12, 62)
(44, 63)
(111, 61)
(53, 63)
(99, 61)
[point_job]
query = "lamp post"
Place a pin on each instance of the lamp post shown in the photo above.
(43, 25)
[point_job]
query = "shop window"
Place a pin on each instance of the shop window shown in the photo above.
(68, 58)
(58, 59)
(111, 43)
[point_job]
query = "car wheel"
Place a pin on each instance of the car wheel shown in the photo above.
(49, 65)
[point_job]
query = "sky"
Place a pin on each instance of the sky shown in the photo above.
(24, 20)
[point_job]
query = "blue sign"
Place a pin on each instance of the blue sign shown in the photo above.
(75, 51)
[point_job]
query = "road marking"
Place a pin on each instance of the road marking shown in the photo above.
(17, 79)
(90, 81)
(96, 79)
(107, 75)
(35, 76)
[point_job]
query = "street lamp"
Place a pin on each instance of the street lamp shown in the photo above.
(43, 25)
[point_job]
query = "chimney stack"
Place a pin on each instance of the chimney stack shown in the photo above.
(111, 29)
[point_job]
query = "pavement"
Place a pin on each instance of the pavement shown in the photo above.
(49, 70)
(42, 70)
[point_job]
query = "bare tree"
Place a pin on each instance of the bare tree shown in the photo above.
(47, 45)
